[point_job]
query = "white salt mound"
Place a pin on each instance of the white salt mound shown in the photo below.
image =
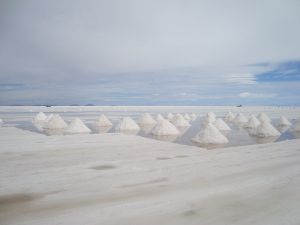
(229, 116)
(209, 118)
(187, 117)
(179, 121)
(193, 116)
(127, 124)
(212, 116)
(221, 125)
(283, 121)
(40, 117)
(56, 122)
(159, 118)
(170, 116)
(210, 135)
(263, 118)
(253, 122)
(164, 128)
(146, 118)
(39, 121)
(102, 121)
(1, 122)
(264, 130)
(240, 118)
(76, 126)
(49, 117)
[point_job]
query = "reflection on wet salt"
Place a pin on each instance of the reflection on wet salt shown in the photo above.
(147, 128)
(182, 130)
(265, 140)
(209, 146)
(282, 129)
(130, 132)
(54, 132)
(102, 130)
(296, 134)
(170, 138)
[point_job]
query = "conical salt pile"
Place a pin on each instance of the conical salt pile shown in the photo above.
(170, 116)
(212, 116)
(297, 126)
(39, 121)
(77, 127)
(159, 118)
(102, 121)
(264, 130)
(253, 122)
(209, 118)
(127, 124)
(164, 128)
(229, 116)
(210, 135)
(193, 116)
(179, 121)
(40, 117)
(187, 117)
(146, 118)
(56, 122)
(283, 121)
(240, 118)
(49, 117)
(263, 118)
(221, 125)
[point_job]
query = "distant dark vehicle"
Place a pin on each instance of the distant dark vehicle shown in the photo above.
(239, 106)
(89, 105)
(48, 105)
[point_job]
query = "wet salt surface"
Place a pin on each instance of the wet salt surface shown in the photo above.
(238, 136)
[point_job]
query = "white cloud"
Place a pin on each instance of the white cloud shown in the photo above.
(246, 78)
(257, 95)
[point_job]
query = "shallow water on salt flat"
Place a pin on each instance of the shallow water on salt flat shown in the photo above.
(238, 136)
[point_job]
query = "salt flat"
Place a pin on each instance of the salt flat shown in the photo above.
(125, 179)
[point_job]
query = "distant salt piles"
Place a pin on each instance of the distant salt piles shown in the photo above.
(229, 116)
(263, 118)
(209, 118)
(210, 135)
(164, 128)
(265, 130)
(283, 121)
(127, 124)
(253, 122)
(76, 126)
(146, 119)
(240, 119)
(221, 125)
(102, 121)
(179, 121)
(169, 116)
(159, 118)
(55, 126)
(193, 116)
(187, 117)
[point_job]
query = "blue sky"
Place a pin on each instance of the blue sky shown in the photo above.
(150, 52)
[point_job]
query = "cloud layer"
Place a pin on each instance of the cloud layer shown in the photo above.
(132, 52)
